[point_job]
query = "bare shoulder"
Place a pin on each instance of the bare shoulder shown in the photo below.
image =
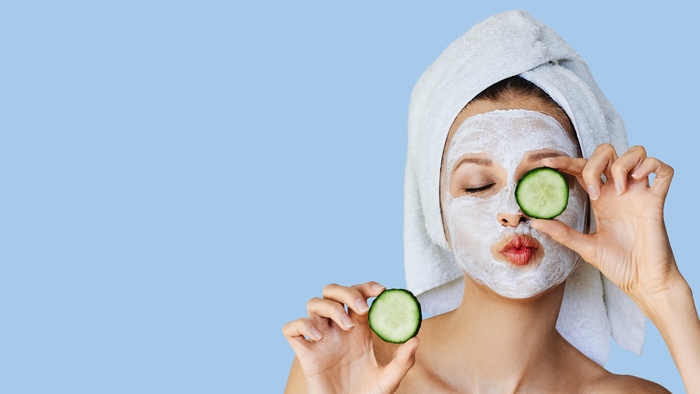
(296, 383)
(593, 378)
(612, 383)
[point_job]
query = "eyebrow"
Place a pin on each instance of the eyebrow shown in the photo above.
(544, 155)
(475, 160)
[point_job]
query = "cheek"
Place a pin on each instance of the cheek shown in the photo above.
(472, 222)
(469, 226)
(575, 214)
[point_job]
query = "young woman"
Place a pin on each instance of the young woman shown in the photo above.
(507, 97)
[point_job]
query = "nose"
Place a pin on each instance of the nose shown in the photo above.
(512, 219)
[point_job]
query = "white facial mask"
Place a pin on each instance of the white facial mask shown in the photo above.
(472, 220)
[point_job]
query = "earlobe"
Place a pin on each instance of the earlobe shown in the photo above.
(444, 230)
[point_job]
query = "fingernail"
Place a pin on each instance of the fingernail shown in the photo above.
(347, 322)
(362, 305)
(618, 187)
(316, 333)
(377, 287)
(593, 192)
(637, 174)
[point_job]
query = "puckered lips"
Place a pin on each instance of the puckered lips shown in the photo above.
(519, 250)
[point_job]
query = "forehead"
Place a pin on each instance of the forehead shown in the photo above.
(508, 132)
(526, 103)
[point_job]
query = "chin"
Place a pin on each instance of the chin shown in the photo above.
(512, 282)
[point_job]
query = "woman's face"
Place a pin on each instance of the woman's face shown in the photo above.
(490, 146)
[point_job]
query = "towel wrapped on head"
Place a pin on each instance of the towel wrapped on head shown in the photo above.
(506, 45)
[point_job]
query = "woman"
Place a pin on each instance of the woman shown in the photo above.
(509, 96)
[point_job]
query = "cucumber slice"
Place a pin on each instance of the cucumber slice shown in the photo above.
(542, 193)
(395, 315)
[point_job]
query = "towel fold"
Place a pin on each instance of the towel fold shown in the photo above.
(505, 45)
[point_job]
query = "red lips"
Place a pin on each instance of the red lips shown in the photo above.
(519, 249)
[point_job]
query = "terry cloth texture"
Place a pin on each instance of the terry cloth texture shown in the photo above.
(505, 45)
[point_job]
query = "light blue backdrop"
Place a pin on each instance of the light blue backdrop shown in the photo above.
(179, 178)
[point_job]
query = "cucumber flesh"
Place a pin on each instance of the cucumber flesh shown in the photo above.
(395, 315)
(542, 193)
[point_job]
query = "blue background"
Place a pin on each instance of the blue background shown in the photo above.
(179, 178)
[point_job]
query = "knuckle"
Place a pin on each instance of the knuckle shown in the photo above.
(604, 149)
(288, 328)
(313, 303)
(616, 167)
(578, 162)
(355, 292)
(338, 309)
(589, 173)
(653, 164)
(303, 323)
(333, 290)
(639, 149)
(330, 287)
(365, 286)
(372, 284)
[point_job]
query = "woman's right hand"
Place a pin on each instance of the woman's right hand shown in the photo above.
(338, 356)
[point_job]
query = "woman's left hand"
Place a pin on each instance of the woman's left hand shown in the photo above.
(630, 245)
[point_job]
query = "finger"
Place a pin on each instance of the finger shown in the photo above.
(569, 165)
(390, 377)
(664, 175)
(296, 331)
(322, 308)
(598, 164)
(354, 297)
(624, 165)
(349, 296)
(565, 235)
(370, 289)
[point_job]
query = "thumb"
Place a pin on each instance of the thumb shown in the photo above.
(390, 377)
(565, 235)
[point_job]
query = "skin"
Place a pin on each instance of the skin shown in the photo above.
(495, 344)
(483, 170)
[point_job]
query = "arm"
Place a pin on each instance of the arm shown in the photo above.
(631, 247)
(296, 382)
(674, 314)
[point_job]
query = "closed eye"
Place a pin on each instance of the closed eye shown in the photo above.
(479, 189)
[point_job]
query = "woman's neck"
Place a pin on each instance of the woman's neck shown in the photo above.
(503, 343)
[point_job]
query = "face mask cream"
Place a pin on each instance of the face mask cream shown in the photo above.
(510, 257)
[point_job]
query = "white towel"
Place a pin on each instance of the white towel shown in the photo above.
(505, 45)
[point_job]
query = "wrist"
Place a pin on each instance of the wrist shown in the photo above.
(674, 305)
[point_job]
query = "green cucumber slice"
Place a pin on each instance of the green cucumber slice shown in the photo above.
(542, 193)
(395, 315)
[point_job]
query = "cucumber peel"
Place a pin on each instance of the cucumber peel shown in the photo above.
(395, 315)
(542, 193)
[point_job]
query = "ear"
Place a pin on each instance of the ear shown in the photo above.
(444, 227)
(442, 211)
